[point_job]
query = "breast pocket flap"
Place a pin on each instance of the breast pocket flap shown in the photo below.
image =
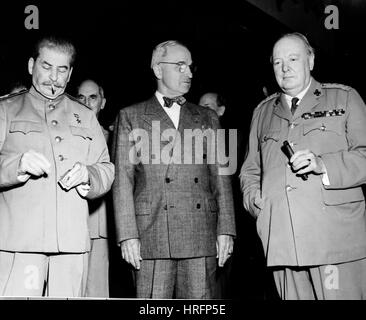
(81, 132)
(25, 126)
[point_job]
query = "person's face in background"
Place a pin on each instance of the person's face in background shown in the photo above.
(172, 82)
(209, 100)
(292, 64)
(51, 72)
(90, 94)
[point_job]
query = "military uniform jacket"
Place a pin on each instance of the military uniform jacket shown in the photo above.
(306, 222)
(38, 215)
(175, 209)
(98, 220)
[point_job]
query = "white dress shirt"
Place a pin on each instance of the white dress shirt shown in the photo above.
(173, 112)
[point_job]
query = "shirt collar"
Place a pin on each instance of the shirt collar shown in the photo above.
(299, 95)
(160, 96)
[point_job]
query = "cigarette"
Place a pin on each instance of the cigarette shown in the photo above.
(53, 89)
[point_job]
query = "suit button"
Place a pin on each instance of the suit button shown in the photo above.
(61, 157)
(54, 122)
(167, 180)
(289, 188)
(51, 107)
(58, 139)
(196, 180)
(198, 206)
(292, 125)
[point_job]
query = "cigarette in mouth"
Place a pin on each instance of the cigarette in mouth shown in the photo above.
(53, 89)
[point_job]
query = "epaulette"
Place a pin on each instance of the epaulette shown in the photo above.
(269, 98)
(76, 100)
(11, 95)
(335, 86)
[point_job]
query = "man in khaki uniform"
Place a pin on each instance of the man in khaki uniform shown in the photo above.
(312, 226)
(53, 158)
(91, 94)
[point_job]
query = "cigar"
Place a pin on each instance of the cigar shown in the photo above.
(287, 150)
(52, 89)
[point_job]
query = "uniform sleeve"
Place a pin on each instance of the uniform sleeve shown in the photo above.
(123, 187)
(100, 169)
(8, 163)
(222, 189)
(347, 168)
(250, 173)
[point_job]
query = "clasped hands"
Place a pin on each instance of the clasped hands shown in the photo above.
(305, 161)
(33, 163)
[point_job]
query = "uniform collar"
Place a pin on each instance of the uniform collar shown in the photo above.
(300, 95)
(36, 94)
(308, 102)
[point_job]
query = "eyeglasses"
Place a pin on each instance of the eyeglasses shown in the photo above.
(182, 66)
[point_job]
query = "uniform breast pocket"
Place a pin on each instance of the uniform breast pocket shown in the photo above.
(26, 135)
(270, 148)
(324, 135)
(81, 139)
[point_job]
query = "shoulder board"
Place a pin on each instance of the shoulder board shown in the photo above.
(76, 100)
(269, 98)
(335, 86)
(11, 95)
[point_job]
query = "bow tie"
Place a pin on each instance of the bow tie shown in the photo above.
(168, 102)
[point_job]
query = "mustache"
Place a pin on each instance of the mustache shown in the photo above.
(54, 84)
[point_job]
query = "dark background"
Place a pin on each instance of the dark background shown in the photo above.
(230, 42)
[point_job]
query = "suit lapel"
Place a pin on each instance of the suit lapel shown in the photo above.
(189, 118)
(155, 112)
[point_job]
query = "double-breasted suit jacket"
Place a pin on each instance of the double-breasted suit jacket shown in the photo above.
(176, 207)
(308, 222)
(38, 215)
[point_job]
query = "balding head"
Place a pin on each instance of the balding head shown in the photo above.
(212, 100)
(92, 95)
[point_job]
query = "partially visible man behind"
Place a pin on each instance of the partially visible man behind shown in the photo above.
(173, 220)
(53, 158)
(309, 206)
(213, 101)
(91, 94)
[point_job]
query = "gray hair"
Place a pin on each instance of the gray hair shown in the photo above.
(310, 50)
(161, 50)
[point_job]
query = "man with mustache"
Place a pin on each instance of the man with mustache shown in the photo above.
(309, 205)
(172, 219)
(53, 157)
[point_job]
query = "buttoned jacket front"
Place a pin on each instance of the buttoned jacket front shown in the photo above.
(38, 215)
(174, 207)
(306, 222)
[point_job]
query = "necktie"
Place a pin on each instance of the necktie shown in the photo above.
(294, 102)
(168, 102)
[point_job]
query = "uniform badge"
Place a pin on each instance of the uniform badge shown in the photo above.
(325, 113)
(77, 117)
(317, 92)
